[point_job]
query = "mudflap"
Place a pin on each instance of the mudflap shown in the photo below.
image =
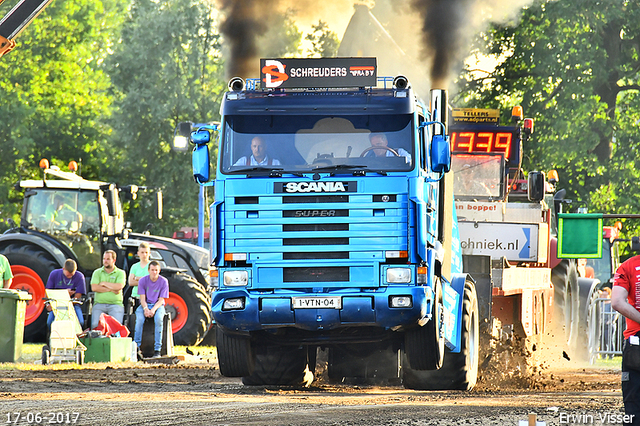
(452, 303)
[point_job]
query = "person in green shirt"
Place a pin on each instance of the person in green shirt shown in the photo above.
(107, 283)
(60, 214)
(140, 269)
(5, 272)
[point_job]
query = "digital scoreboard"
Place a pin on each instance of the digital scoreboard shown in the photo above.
(486, 140)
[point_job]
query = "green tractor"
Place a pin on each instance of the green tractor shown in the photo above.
(65, 216)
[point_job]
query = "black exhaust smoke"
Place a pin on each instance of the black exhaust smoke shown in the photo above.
(244, 22)
(443, 37)
(448, 27)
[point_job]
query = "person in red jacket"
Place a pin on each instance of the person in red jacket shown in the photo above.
(625, 298)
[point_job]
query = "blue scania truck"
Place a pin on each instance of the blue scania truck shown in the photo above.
(334, 228)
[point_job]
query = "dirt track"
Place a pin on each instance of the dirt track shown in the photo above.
(193, 393)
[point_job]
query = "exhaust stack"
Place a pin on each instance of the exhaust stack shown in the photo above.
(439, 110)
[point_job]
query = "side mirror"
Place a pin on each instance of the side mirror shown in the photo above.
(535, 191)
(440, 154)
(200, 136)
(635, 243)
(200, 162)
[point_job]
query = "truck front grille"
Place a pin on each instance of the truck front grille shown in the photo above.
(316, 274)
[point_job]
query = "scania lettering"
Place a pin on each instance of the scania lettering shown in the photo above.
(349, 244)
(315, 187)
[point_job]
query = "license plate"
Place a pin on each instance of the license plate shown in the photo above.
(331, 302)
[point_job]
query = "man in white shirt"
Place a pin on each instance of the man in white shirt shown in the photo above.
(380, 146)
(259, 155)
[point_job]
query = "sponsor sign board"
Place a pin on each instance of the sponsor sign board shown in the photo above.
(318, 72)
(475, 115)
(516, 241)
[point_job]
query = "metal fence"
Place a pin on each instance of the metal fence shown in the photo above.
(605, 330)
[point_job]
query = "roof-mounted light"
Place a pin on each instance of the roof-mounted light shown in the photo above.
(552, 176)
(401, 82)
(236, 84)
(44, 163)
(516, 113)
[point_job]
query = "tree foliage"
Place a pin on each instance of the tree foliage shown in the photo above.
(574, 67)
(324, 42)
(54, 95)
(165, 69)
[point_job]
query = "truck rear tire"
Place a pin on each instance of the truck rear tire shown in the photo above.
(566, 302)
(424, 346)
(235, 356)
(190, 307)
(280, 365)
(459, 371)
(31, 268)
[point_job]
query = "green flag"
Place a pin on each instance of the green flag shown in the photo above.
(579, 235)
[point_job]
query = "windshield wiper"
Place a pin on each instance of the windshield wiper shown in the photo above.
(358, 170)
(255, 169)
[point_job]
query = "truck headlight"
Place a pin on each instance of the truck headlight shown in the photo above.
(401, 302)
(233, 304)
(236, 278)
(399, 275)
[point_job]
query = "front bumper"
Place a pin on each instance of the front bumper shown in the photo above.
(359, 308)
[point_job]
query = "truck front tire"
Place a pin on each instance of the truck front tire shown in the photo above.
(235, 356)
(459, 371)
(280, 366)
(424, 346)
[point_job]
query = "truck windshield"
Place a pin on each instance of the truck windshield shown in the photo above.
(72, 216)
(304, 143)
(477, 176)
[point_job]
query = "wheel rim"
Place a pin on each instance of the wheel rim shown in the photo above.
(177, 308)
(26, 279)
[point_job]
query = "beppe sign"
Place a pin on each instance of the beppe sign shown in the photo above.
(318, 72)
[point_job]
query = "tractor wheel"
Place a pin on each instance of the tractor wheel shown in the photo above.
(280, 365)
(235, 356)
(31, 268)
(566, 302)
(424, 345)
(189, 307)
(459, 371)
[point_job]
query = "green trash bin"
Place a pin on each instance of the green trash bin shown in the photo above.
(13, 304)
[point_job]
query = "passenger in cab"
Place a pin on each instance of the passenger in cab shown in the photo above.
(258, 156)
